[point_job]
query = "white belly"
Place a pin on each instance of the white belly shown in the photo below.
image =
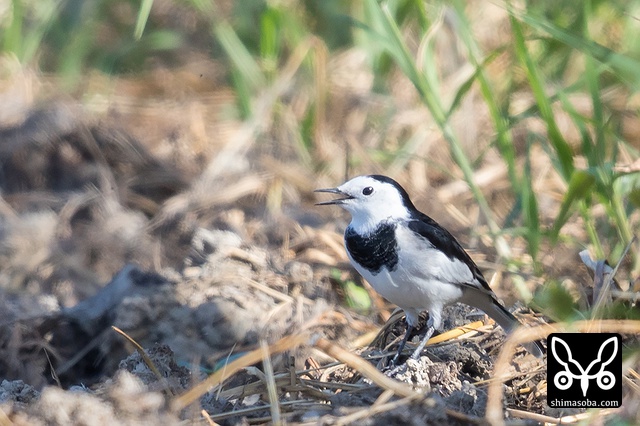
(411, 292)
(423, 279)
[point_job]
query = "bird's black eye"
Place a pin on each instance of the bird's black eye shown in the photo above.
(367, 191)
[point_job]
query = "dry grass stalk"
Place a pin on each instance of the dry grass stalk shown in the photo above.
(633, 385)
(300, 405)
(462, 332)
(271, 384)
(390, 386)
(364, 339)
(267, 290)
(367, 369)
(208, 418)
(146, 360)
(250, 358)
(467, 330)
(375, 409)
(283, 381)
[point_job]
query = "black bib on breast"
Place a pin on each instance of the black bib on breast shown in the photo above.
(376, 250)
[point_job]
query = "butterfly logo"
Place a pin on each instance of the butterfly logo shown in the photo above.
(563, 380)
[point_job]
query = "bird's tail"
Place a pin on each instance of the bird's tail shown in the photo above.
(508, 322)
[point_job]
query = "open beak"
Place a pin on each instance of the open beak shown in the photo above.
(337, 200)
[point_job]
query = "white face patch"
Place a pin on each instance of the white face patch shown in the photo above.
(373, 202)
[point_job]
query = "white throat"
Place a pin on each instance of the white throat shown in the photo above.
(365, 220)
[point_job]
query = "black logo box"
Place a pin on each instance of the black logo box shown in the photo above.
(584, 368)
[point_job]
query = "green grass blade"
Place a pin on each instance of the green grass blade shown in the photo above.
(240, 56)
(562, 149)
(580, 185)
(598, 154)
(503, 135)
(621, 65)
(426, 83)
(270, 28)
(29, 40)
(530, 209)
(398, 49)
(477, 76)
(12, 40)
(143, 17)
(556, 302)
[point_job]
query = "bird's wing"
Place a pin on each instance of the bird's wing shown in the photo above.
(442, 240)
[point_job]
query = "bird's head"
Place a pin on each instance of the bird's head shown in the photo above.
(370, 200)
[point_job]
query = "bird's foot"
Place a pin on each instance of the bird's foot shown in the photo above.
(395, 361)
(416, 354)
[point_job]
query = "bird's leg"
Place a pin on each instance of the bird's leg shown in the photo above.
(425, 339)
(395, 359)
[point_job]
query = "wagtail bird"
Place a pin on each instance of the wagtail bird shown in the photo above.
(410, 259)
